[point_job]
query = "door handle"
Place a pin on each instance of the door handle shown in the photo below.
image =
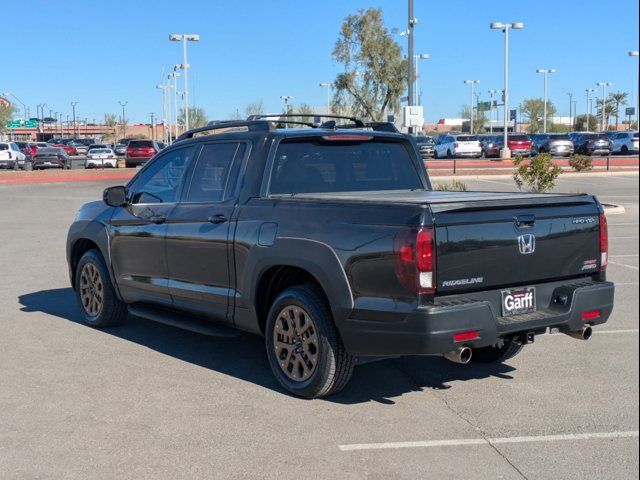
(158, 219)
(216, 219)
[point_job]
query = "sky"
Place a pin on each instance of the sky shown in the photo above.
(100, 53)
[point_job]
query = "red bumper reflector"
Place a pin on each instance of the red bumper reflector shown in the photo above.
(466, 336)
(591, 315)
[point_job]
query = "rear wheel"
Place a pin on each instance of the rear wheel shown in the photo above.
(624, 150)
(304, 347)
(448, 153)
(497, 354)
(99, 304)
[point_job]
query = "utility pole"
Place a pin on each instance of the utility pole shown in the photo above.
(545, 72)
(570, 109)
(491, 92)
(164, 111)
(153, 126)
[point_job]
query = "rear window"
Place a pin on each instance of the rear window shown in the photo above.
(99, 150)
(519, 138)
(306, 167)
(140, 143)
(560, 137)
(467, 138)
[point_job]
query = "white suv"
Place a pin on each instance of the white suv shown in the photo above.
(451, 146)
(624, 143)
(11, 155)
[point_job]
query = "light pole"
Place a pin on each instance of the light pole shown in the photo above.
(328, 86)
(570, 109)
(588, 91)
(604, 86)
(164, 89)
(24, 106)
(635, 53)
(185, 37)
(285, 99)
(505, 27)
(75, 127)
(491, 92)
(418, 82)
(545, 72)
(124, 119)
(471, 83)
(153, 126)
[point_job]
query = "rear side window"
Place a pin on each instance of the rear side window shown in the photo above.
(140, 143)
(159, 182)
(4, 146)
(315, 167)
(215, 173)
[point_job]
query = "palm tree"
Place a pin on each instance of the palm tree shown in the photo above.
(617, 99)
(609, 111)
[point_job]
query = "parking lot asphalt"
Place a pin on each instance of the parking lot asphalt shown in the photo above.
(145, 400)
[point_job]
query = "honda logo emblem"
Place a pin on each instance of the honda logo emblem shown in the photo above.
(527, 244)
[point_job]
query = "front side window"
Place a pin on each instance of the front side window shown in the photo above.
(159, 182)
(214, 172)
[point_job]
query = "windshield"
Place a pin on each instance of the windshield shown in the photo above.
(314, 167)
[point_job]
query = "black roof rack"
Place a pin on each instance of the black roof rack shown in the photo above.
(268, 122)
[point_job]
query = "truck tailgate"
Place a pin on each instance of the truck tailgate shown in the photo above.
(505, 242)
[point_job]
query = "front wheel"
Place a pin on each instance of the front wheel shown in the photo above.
(304, 347)
(497, 354)
(99, 304)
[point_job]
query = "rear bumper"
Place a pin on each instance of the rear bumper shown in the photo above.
(473, 154)
(430, 330)
(137, 160)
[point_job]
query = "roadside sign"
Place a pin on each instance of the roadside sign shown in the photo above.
(413, 116)
(512, 114)
(30, 124)
(484, 106)
(630, 111)
(14, 124)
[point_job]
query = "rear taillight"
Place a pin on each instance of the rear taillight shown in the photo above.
(416, 259)
(604, 242)
(10, 157)
(455, 145)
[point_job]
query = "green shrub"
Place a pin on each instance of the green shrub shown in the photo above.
(581, 163)
(538, 175)
(456, 185)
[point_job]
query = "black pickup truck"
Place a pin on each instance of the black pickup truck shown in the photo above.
(328, 240)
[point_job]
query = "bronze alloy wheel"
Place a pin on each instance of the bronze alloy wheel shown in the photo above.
(295, 341)
(91, 290)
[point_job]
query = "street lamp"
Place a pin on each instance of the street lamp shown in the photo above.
(604, 86)
(185, 37)
(588, 91)
(570, 109)
(286, 99)
(75, 126)
(328, 86)
(635, 53)
(545, 72)
(505, 27)
(491, 92)
(418, 82)
(124, 120)
(164, 89)
(175, 76)
(472, 83)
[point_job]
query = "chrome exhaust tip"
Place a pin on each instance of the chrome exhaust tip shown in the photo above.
(460, 355)
(584, 334)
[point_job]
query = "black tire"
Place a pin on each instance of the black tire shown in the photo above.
(624, 150)
(112, 311)
(449, 154)
(334, 364)
(435, 154)
(497, 354)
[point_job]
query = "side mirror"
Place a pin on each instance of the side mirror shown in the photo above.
(115, 196)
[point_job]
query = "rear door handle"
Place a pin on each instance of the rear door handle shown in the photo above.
(216, 219)
(158, 219)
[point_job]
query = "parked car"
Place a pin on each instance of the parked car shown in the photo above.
(425, 145)
(25, 147)
(81, 148)
(140, 151)
(51, 157)
(218, 233)
(101, 157)
(519, 144)
(451, 146)
(592, 144)
(491, 146)
(624, 143)
(11, 157)
(120, 149)
(558, 145)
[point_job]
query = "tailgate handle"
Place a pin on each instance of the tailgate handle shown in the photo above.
(525, 221)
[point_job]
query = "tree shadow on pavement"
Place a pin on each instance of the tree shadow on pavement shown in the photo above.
(244, 357)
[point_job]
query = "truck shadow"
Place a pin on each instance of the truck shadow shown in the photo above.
(244, 357)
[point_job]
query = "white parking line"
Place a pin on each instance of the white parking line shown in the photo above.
(488, 441)
(622, 224)
(620, 256)
(623, 265)
(607, 332)
(622, 238)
